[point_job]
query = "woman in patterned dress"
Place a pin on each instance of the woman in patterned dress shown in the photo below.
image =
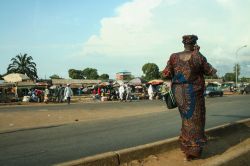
(186, 69)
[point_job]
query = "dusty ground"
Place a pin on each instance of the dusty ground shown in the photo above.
(217, 146)
(11, 121)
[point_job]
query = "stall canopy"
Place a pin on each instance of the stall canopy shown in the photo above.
(156, 82)
(15, 77)
(75, 83)
(120, 82)
(104, 84)
(137, 81)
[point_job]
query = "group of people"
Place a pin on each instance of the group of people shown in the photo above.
(60, 93)
(125, 92)
(36, 95)
(122, 93)
(157, 91)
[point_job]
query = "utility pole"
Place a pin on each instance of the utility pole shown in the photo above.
(236, 66)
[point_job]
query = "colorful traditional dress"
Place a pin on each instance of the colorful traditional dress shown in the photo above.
(187, 70)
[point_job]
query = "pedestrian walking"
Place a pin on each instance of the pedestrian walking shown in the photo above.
(46, 95)
(128, 92)
(150, 92)
(186, 69)
(68, 93)
(60, 94)
(121, 92)
(99, 92)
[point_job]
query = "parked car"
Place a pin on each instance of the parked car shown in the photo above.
(213, 91)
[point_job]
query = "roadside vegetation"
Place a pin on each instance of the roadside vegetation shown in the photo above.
(24, 64)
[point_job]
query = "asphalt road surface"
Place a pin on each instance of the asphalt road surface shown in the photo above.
(47, 146)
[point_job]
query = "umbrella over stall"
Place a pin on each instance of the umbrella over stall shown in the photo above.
(120, 82)
(137, 81)
(15, 77)
(104, 84)
(155, 82)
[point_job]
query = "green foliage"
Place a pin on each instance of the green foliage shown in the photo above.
(23, 64)
(211, 77)
(229, 77)
(150, 71)
(104, 77)
(75, 74)
(55, 76)
(244, 79)
(90, 73)
(87, 73)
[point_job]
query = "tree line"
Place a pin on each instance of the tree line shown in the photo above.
(87, 73)
(24, 64)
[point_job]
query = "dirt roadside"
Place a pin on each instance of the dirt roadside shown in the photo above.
(12, 121)
(218, 148)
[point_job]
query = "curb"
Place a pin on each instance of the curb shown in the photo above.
(116, 158)
(105, 159)
(142, 151)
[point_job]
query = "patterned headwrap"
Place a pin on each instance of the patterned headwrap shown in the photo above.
(189, 39)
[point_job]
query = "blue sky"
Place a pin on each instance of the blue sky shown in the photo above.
(116, 35)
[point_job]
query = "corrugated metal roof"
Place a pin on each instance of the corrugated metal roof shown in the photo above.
(214, 80)
(5, 84)
(74, 81)
(26, 84)
(124, 72)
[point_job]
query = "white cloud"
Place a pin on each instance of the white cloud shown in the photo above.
(150, 30)
(226, 3)
(126, 33)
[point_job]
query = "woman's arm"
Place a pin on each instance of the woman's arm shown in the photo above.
(207, 68)
(168, 71)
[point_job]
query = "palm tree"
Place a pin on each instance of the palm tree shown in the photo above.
(23, 64)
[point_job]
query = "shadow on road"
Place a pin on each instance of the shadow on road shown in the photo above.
(219, 142)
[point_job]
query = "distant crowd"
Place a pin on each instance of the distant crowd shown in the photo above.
(123, 92)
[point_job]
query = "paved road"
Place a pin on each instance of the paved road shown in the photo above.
(47, 146)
